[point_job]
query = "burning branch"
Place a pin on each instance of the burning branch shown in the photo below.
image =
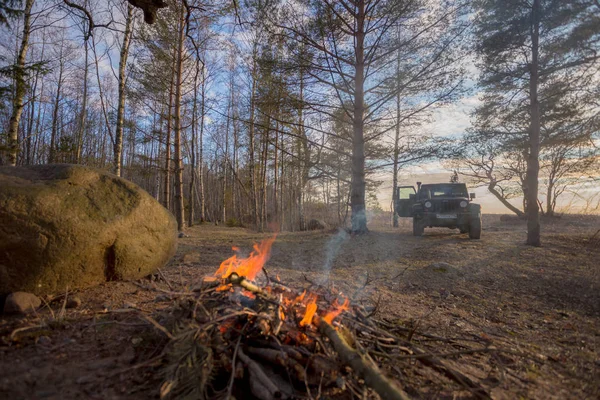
(241, 281)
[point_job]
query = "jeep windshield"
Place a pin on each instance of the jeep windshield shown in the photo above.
(449, 190)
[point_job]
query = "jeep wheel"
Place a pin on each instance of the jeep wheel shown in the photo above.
(475, 228)
(418, 227)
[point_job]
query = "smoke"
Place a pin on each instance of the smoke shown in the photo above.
(331, 251)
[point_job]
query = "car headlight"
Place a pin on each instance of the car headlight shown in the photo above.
(427, 204)
(463, 204)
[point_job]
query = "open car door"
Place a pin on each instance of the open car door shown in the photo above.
(405, 198)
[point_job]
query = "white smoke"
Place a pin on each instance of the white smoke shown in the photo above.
(331, 251)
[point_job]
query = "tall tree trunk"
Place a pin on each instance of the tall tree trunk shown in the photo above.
(253, 188)
(281, 197)
(179, 209)
(357, 197)
(265, 154)
(533, 162)
(396, 144)
(54, 129)
(167, 189)
(201, 148)
(20, 88)
(193, 144)
(29, 138)
(103, 107)
(235, 198)
(550, 198)
(157, 159)
(225, 161)
(303, 156)
(41, 110)
(275, 172)
(83, 113)
(118, 148)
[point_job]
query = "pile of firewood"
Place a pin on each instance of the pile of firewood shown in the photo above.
(233, 339)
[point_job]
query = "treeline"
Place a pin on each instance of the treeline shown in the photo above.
(265, 112)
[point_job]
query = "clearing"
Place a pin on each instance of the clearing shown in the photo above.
(541, 302)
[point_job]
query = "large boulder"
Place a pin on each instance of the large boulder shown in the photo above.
(72, 226)
(316, 224)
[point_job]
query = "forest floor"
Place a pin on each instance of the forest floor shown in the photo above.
(543, 301)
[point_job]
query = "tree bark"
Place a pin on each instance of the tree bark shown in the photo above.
(179, 209)
(167, 190)
(20, 88)
(265, 156)
(54, 129)
(118, 147)
(275, 174)
(193, 145)
(492, 189)
(357, 197)
(396, 145)
(253, 188)
(533, 162)
(83, 112)
(225, 162)
(201, 147)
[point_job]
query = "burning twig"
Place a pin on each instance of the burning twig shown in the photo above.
(241, 281)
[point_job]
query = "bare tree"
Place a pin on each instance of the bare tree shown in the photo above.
(20, 72)
(118, 147)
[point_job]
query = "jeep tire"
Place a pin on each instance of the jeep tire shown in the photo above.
(475, 228)
(418, 227)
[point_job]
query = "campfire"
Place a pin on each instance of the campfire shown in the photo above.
(242, 334)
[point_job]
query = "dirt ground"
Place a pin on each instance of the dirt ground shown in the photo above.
(544, 302)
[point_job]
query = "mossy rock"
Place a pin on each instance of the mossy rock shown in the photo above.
(71, 226)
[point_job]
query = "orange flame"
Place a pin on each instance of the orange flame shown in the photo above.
(311, 309)
(247, 267)
(301, 297)
(338, 309)
(223, 288)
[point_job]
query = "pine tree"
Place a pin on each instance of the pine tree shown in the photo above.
(524, 48)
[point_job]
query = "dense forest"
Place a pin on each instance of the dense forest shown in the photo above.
(266, 113)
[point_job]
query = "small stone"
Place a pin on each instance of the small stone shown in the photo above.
(182, 235)
(44, 341)
(73, 302)
(136, 340)
(21, 303)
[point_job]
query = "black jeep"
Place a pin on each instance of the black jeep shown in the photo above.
(440, 205)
